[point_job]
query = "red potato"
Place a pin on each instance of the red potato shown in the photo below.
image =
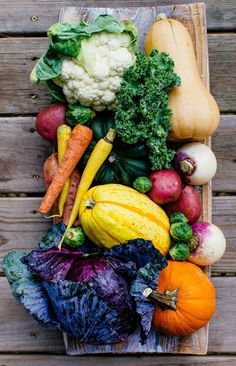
(189, 203)
(74, 183)
(166, 186)
(49, 119)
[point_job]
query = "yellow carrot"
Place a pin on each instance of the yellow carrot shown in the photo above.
(63, 135)
(99, 154)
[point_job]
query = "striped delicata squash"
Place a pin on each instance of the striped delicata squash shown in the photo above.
(110, 214)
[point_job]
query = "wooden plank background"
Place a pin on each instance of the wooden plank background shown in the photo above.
(23, 27)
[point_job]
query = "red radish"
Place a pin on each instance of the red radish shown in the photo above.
(166, 186)
(189, 203)
(196, 163)
(49, 119)
(207, 244)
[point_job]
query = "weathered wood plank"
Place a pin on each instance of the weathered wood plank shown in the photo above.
(22, 227)
(19, 333)
(55, 360)
(36, 16)
(23, 153)
(224, 147)
(18, 57)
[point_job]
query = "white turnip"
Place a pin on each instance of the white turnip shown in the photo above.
(196, 163)
(207, 244)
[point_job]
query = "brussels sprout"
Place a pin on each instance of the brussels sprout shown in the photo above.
(78, 114)
(142, 184)
(181, 231)
(178, 217)
(179, 252)
(75, 237)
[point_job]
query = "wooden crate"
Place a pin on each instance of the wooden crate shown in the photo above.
(193, 17)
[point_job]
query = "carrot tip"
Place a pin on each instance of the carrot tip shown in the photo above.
(52, 216)
(62, 239)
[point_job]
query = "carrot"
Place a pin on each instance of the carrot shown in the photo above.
(74, 182)
(99, 154)
(50, 168)
(80, 138)
(63, 135)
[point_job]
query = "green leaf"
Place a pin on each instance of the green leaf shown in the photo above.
(56, 91)
(48, 67)
(78, 114)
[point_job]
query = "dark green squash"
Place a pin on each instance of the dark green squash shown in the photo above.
(125, 163)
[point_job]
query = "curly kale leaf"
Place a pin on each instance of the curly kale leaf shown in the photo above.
(144, 113)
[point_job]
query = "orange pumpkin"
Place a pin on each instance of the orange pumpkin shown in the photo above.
(194, 299)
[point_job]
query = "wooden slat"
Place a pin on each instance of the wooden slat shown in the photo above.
(17, 57)
(19, 333)
(22, 227)
(16, 16)
(23, 153)
(222, 49)
(224, 147)
(54, 360)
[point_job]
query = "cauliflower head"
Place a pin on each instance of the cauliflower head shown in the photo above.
(94, 77)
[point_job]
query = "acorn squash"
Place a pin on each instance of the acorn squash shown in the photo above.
(111, 214)
(125, 163)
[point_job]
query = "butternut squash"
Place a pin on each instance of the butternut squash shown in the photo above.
(195, 111)
(110, 214)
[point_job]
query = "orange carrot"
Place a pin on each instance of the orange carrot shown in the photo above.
(80, 138)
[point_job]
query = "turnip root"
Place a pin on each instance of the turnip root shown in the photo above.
(196, 163)
(189, 203)
(207, 244)
(166, 186)
(49, 119)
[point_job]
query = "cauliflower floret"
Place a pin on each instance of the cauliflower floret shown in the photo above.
(95, 81)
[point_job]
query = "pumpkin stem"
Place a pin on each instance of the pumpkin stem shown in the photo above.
(160, 16)
(167, 299)
(187, 166)
(90, 203)
(110, 136)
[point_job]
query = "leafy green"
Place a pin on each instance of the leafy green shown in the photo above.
(66, 39)
(78, 114)
(144, 113)
(55, 91)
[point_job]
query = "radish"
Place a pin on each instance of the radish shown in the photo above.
(207, 244)
(49, 119)
(166, 186)
(196, 163)
(189, 203)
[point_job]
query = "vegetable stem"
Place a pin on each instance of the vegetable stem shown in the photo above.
(186, 166)
(166, 299)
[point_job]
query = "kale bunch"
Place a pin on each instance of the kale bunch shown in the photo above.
(144, 113)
